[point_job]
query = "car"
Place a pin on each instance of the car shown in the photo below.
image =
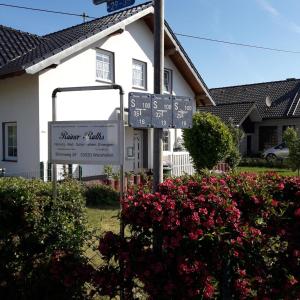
(278, 152)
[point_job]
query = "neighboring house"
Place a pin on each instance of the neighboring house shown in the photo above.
(117, 48)
(262, 110)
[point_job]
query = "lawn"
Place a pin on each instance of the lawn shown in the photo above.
(283, 172)
(100, 220)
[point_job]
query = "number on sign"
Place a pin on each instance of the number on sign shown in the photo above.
(147, 105)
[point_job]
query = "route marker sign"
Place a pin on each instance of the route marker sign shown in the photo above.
(139, 115)
(162, 111)
(159, 111)
(182, 112)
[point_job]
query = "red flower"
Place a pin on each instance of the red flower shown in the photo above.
(281, 186)
(209, 291)
(297, 213)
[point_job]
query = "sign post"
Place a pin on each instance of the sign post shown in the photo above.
(158, 89)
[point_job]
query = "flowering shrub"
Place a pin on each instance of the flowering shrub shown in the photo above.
(234, 237)
(32, 227)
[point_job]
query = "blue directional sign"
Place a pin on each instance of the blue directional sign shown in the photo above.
(113, 5)
(97, 2)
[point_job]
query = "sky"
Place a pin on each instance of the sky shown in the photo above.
(268, 23)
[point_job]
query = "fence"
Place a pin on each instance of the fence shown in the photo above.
(181, 163)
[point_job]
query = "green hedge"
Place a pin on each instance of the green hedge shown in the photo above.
(261, 162)
(101, 195)
(32, 227)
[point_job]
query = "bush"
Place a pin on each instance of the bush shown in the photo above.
(232, 237)
(208, 141)
(101, 195)
(261, 162)
(234, 157)
(32, 227)
(293, 141)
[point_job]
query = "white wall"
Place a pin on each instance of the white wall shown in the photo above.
(19, 103)
(136, 42)
(27, 99)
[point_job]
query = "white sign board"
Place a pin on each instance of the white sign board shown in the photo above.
(85, 142)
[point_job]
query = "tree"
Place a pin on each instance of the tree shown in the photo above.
(234, 155)
(292, 139)
(209, 141)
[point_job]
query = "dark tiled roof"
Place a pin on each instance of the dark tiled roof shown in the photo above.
(40, 48)
(14, 43)
(231, 112)
(284, 97)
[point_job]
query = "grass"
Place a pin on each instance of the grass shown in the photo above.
(100, 220)
(103, 219)
(259, 170)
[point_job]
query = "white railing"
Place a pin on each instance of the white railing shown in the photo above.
(181, 163)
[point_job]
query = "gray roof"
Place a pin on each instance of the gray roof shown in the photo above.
(231, 112)
(284, 96)
(20, 50)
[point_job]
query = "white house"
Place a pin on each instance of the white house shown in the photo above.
(117, 48)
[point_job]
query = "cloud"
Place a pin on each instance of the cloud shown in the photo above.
(264, 4)
(281, 19)
(294, 27)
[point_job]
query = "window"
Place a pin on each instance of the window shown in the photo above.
(10, 149)
(168, 81)
(139, 74)
(166, 140)
(105, 65)
(267, 137)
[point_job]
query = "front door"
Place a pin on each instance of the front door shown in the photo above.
(138, 151)
(249, 144)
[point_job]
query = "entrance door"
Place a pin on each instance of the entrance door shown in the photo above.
(138, 151)
(249, 144)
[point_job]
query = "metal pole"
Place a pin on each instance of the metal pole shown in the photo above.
(54, 166)
(122, 227)
(158, 88)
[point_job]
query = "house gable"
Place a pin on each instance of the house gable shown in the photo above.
(56, 47)
(283, 97)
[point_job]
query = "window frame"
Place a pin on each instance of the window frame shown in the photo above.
(170, 72)
(111, 56)
(166, 136)
(6, 156)
(145, 77)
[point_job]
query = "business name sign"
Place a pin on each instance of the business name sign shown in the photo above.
(85, 142)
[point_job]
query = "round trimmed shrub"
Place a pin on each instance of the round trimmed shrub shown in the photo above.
(208, 141)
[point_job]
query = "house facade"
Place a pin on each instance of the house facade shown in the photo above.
(116, 49)
(263, 111)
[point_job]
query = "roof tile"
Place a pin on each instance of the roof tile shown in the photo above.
(283, 95)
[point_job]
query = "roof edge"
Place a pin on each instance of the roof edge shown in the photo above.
(250, 84)
(57, 58)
